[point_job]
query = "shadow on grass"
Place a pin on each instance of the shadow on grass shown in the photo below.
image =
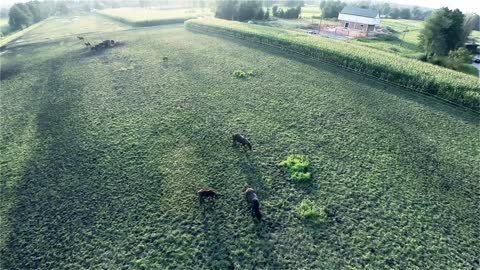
(217, 254)
(55, 197)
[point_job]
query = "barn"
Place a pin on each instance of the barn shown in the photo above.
(360, 19)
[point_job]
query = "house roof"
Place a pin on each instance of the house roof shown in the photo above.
(363, 12)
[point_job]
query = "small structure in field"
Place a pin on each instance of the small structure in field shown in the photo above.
(359, 19)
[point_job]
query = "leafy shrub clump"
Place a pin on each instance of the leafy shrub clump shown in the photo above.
(297, 166)
(311, 211)
(240, 74)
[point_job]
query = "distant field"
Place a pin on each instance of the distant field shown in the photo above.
(4, 27)
(405, 40)
(147, 17)
(476, 36)
(310, 11)
(102, 155)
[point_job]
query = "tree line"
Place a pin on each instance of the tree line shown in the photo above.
(240, 10)
(22, 15)
(331, 9)
(253, 10)
(290, 13)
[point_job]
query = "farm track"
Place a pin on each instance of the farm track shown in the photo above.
(104, 154)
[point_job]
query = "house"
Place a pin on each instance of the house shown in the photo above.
(360, 19)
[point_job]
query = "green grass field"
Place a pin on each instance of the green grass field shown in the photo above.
(102, 155)
(406, 38)
(148, 17)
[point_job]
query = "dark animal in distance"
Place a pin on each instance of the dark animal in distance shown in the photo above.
(206, 193)
(103, 45)
(253, 202)
(237, 137)
(108, 43)
(80, 38)
(165, 58)
(87, 44)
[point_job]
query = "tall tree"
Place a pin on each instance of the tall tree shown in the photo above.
(331, 9)
(226, 9)
(385, 10)
(417, 14)
(19, 16)
(405, 13)
(395, 13)
(442, 31)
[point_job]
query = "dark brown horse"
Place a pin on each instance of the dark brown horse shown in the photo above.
(80, 38)
(206, 193)
(237, 137)
(88, 45)
(252, 200)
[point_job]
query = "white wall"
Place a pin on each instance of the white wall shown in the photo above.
(359, 19)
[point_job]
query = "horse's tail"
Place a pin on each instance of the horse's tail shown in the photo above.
(256, 209)
(249, 145)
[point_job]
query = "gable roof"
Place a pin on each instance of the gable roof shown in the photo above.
(363, 12)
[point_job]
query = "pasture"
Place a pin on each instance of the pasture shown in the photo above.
(149, 17)
(103, 153)
(404, 41)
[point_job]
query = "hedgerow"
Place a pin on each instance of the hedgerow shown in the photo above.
(449, 85)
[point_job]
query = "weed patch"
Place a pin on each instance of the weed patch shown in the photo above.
(297, 167)
(240, 74)
(309, 210)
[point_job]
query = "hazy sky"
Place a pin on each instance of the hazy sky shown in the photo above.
(464, 5)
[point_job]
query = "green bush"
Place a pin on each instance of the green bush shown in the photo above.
(311, 211)
(297, 167)
(243, 74)
(447, 84)
(240, 74)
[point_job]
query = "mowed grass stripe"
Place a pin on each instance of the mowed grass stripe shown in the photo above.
(127, 138)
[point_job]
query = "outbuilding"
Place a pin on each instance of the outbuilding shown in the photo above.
(360, 19)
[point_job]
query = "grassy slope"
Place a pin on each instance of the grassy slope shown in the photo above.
(105, 153)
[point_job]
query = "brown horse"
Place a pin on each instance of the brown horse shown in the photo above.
(88, 45)
(206, 193)
(80, 38)
(252, 200)
(237, 137)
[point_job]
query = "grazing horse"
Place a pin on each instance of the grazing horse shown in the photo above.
(80, 38)
(88, 45)
(252, 200)
(165, 58)
(206, 193)
(237, 137)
